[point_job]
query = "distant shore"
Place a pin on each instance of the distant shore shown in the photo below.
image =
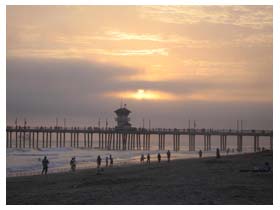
(189, 181)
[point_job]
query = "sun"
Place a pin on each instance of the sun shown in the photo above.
(140, 94)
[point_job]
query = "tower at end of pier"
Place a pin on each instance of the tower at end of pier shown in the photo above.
(122, 118)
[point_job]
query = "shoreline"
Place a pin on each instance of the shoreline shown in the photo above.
(182, 181)
(123, 163)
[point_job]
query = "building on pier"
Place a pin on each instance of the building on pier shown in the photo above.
(122, 118)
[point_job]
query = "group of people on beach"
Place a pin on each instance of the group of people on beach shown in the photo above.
(218, 154)
(107, 159)
(45, 165)
(142, 157)
(73, 163)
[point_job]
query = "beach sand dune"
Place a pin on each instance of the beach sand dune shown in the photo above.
(190, 181)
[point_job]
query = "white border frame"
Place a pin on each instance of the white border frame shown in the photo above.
(276, 82)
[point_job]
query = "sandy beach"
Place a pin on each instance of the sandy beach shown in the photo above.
(189, 181)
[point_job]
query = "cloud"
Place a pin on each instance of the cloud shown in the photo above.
(49, 88)
(110, 35)
(255, 17)
(52, 84)
(118, 35)
(77, 53)
(210, 95)
(141, 52)
(78, 61)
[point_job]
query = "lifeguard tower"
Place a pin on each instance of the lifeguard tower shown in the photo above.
(122, 118)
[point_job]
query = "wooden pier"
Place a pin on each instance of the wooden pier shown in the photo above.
(123, 139)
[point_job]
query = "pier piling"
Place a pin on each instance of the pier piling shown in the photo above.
(256, 143)
(191, 142)
(113, 139)
(239, 143)
(223, 143)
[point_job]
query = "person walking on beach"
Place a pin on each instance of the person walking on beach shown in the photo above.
(218, 153)
(159, 157)
(142, 159)
(45, 164)
(107, 161)
(111, 160)
(168, 155)
(73, 164)
(148, 159)
(98, 161)
(200, 154)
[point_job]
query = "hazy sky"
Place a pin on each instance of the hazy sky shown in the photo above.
(168, 63)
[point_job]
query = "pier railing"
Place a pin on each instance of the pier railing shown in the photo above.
(198, 131)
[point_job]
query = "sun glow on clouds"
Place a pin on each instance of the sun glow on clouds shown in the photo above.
(142, 94)
(118, 35)
(157, 44)
(142, 52)
(202, 96)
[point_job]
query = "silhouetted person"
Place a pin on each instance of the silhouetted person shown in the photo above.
(45, 164)
(159, 157)
(148, 159)
(264, 168)
(168, 155)
(98, 161)
(267, 167)
(107, 161)
(111, 160)
(73, 164)
(218, 153)
(200, 154)
(142, 159)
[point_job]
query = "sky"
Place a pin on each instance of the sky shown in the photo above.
(169, 64)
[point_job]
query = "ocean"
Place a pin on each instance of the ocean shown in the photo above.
(25, 161)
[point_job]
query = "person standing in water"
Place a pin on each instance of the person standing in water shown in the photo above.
(98, 161)
(73, 164)
(111, 160)
(148, 159)
(159, 157)
(200, 154)
(218, 153)
(142, 159)
(107, 161)
(168, 155)
(45, 164)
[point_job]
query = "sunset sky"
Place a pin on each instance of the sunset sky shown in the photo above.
(212, 64)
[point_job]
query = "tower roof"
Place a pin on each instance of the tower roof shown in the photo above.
(122, 111)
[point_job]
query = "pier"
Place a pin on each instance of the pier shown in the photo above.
(123, 139)
(123, 136)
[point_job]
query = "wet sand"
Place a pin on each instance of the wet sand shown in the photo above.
(189, 181)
